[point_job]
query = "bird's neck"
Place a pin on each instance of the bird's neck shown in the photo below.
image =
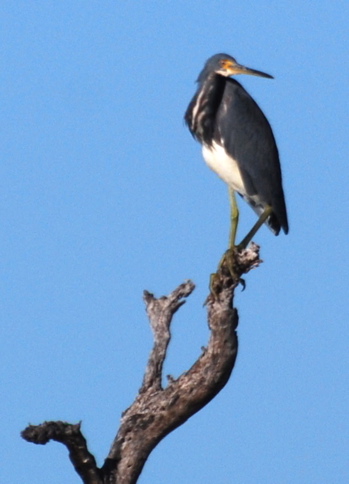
(201, 113)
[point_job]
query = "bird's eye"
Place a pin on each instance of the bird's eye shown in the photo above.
(225, 63)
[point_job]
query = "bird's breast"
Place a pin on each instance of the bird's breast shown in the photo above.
(224, 165)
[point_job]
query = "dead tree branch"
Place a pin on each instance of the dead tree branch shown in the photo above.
(156, 410)
(70, 435)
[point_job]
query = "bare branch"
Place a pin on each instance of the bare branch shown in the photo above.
(70, 435)
(160, 313)
(157, 411)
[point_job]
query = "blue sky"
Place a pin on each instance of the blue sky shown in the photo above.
(104, 193)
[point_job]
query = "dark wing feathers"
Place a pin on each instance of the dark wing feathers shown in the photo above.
(247, 136)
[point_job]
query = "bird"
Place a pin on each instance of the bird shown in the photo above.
(238, 143)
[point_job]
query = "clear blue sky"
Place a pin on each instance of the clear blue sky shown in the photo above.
(104, 193)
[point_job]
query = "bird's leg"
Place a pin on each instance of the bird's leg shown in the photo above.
(228, 259)
(246, 240)
(234, 218)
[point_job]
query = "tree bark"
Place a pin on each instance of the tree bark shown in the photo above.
(157, 411)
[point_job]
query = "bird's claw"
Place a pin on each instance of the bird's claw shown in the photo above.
(227, 267)
(227, 264)
(215, 283)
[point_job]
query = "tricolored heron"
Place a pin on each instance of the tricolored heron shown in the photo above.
(238, 143)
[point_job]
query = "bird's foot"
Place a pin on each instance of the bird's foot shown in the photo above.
(228, 264)
(228, 269)
(215, 285)
(235, 262)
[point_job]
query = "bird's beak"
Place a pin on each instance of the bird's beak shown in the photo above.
(239, 69)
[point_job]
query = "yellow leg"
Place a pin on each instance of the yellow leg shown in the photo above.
(234, 210)
(246, 240)
(228, 259)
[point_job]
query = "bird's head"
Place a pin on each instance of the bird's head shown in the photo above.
(225, 65)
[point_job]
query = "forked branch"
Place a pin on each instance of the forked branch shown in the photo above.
(158, 410)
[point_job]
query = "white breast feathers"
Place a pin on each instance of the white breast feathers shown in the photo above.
(224, 165)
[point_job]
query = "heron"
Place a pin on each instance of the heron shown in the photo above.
(238, 144)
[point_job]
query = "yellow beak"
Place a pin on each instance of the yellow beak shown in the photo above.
(234, 69)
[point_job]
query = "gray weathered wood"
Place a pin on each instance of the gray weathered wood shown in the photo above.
(158, 410)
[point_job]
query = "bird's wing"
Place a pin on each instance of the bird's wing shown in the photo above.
(246, 135)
